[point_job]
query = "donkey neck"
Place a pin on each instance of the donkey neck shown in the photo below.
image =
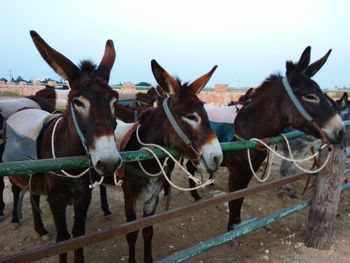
(263, 116)
(67, 135)
(151, 130)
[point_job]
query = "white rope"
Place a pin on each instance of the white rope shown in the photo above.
(257, 177)
(115, 177)
(291, 159)
(150, 174)
(316, 154)
(54, 155)
(190, 176)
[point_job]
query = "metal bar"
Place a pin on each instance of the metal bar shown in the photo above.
(76, 162)
(238, 232)
(245, 228)
(114, 230)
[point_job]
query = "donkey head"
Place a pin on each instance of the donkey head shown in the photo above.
(193, 136)
(90, 109)
(326, 123)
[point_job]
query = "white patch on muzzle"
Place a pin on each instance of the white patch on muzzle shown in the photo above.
(211, 156)
(333, 127)
(105, 152)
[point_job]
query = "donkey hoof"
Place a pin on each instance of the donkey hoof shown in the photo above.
(2, 217)
(46, 237)
(15, 226)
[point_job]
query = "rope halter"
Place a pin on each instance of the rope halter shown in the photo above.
(177, 128)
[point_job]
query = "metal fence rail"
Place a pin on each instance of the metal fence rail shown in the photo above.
(35, 166)
(46, 165)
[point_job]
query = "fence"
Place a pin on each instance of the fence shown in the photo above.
(110, 232)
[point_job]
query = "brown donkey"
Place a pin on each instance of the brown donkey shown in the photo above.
(196, 142)
(270, 110)
(86, 127)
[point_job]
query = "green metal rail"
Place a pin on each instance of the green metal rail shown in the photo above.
(245, 228)
(46, 165)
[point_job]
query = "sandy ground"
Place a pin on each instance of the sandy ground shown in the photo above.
(281, 241)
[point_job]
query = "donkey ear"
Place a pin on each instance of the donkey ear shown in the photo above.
(165, 81)
(199, 83)
(344, 99)
(332, 102)
(59, 63)
(317, 65)
(290, 67)
(107, 61)
(304, 60)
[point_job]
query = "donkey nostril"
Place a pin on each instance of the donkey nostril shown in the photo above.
(99, 165)
(340, 135)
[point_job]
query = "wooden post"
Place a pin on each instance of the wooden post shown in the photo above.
(325, 202)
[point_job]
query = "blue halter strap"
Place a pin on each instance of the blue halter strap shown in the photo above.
(295, 101)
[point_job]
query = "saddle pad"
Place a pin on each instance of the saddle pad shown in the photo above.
(9, 107)
(221, 114)
(224, 131)
(22, 130)
(123, 133)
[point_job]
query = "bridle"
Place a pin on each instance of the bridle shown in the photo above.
(79, 132)
(300, 108)
(177, 128)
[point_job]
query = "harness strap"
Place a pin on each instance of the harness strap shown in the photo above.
(173, 123)
(295, 100)
(76, 126)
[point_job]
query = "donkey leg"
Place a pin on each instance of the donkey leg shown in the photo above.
(58, 210)
(130, 214)
(104, 201)
(38, 222)
(236, 181)
(149, 209)
(192, 169)
(15, 220)
(2, 204)
(80, 211)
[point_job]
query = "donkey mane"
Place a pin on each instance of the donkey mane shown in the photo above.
(87, 66)
(252, 95)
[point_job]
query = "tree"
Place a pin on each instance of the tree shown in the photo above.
(142, 83)
(18, 79)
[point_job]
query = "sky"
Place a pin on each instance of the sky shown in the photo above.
(248, 40)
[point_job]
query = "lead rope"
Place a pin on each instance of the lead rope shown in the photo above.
(291, 159)
(63, 171)
(257, 177)
(190, 176)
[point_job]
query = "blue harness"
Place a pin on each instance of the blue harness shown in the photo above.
(224, 131)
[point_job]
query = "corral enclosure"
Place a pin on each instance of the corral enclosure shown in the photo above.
(279, 242)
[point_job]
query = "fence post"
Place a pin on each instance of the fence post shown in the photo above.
(324, 204)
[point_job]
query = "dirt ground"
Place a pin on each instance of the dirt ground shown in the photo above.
(281, 241)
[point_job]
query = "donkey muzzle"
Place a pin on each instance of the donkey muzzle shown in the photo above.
(211, 156)
(105, 156)
(334, 129)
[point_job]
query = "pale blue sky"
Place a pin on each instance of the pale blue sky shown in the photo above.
(247, 39)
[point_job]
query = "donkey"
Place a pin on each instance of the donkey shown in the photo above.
(302, 145)
(295, 100)
(179, 121)
(86, 127)
(7, 108)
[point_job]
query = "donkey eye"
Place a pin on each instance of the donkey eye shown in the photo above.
(312, 98)
(192, 117)
(78, 103)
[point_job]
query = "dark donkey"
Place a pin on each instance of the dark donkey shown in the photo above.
(86, 127)
(197, 142)
(271, 110)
